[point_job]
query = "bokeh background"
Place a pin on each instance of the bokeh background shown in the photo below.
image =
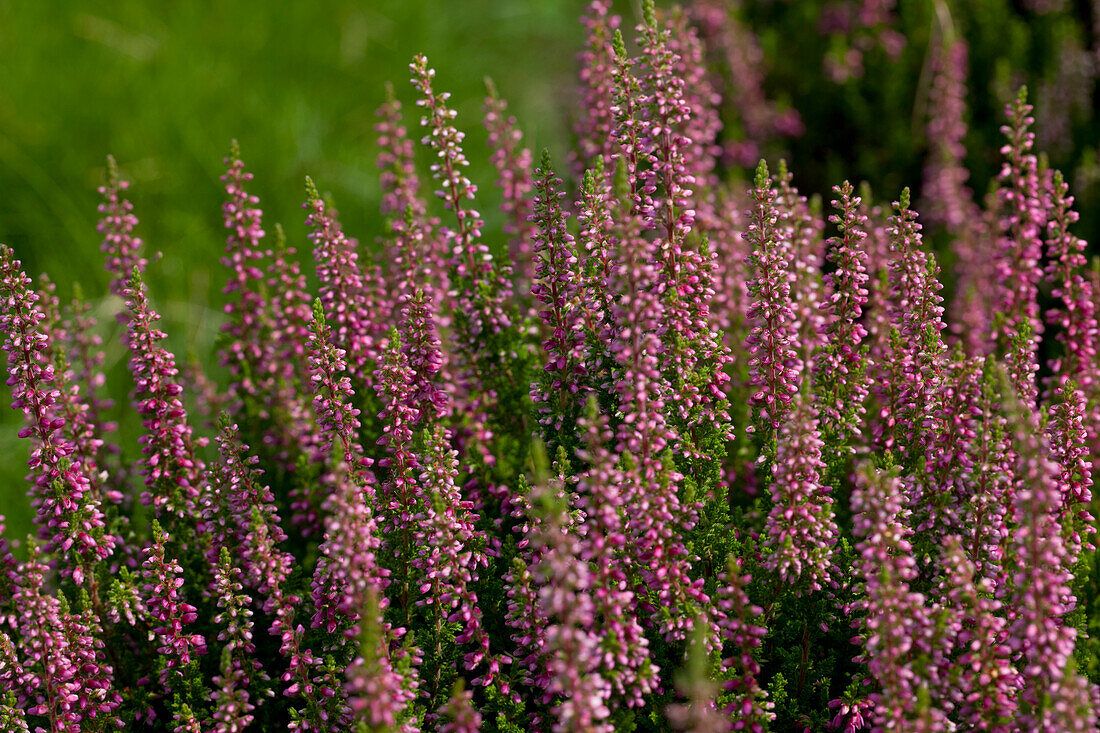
(164, 87)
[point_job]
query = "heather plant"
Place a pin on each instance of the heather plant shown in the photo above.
(676, 451)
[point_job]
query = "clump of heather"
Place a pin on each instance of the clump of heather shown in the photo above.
(677, 448)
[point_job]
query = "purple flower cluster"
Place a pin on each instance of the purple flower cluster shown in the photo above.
(1024, 212)
(897, 630)
(67, 510)
(694, 455)
(774, 363)
(167, 607)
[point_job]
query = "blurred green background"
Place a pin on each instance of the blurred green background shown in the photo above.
(164, 87)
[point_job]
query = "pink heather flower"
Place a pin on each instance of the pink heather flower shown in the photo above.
(236, 492)
(352, 305)
(800, 528)
(749, 708)
(595, 124)
(459, 712)
(67, 511)
(339, 424)
(883, 369)
(377, 696)
(450, 551)
(624, 659)
(572, 653)
(397, 161)
(596, 247)
(76, 411)
(240, 512)
(912, 277)
(985, 689)
(420, 261)
(337, 420)
(421, 345)
(898, 627)
(698, 712)
(170, 467)
(400, 500)
(350, 551)
(953, 424)
(168, 611)
(13, 715)
(321, 705)
(77, 352)
(805, 231)
(1023, 211)
(731, 273)
(83, 634)
(514, 170)
(249, 351)
(881, 302)
(51, 680)
(628, 110)
(853, 713)
(347, 573)
(703, 123)
(117, 227)
(664, 115)
(1056, 697)
(774, 365)
(526, 616)
(1070, 450)
(693, 358)
(655, 515)
(1076, 319)
(559, 391)
(527, 620)
(84, 349)
(232, 703)
(840, 367)
(987, 482)
(471, 261)
(480, 289)
(418, 257)
(291, 436)
(291, 305)
(916, 315)
(949, 201)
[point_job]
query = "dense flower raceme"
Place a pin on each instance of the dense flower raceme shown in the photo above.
(695, 455)
(67, 511)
